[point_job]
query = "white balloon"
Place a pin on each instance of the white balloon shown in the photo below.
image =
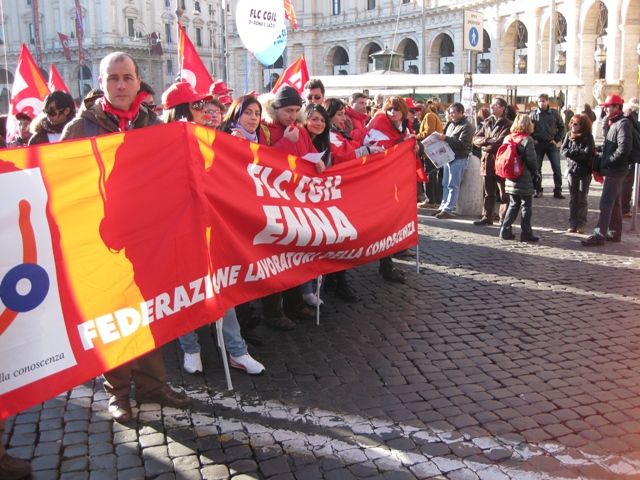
(259, 22)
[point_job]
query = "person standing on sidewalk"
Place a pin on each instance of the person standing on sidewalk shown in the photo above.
(613, 165)
(489, 138)
(579, 148)
(548, 132)
(458, 134)
(118, 111)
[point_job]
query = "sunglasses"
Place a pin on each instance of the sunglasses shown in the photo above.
(314, 97)
(52, 112)
(199, 105)
(151, 106)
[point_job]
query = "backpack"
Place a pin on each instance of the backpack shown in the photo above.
(509, 165)
(634, 157)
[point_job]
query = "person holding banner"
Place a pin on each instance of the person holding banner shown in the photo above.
(117, 111)
(181, 101)
(387, 128)
(281, 116)
(58, 110)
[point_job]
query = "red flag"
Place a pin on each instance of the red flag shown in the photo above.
(64, 40)
(290, 13)
(28, 91)
(191, 67)
(56, 82)
(80, 32)
(296, 75)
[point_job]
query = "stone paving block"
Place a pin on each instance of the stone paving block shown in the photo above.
(131, 474)
(126, 462)
(73, 476)
(45, 462)
(47, 448)
(103, 462)
(215, 472)
(76, 464)
(107, 474)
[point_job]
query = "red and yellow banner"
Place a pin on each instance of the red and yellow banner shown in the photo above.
(116, 245)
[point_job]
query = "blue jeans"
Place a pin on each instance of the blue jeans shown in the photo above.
(610, 219)
(451, 179)
(551, 150)
(233, 341)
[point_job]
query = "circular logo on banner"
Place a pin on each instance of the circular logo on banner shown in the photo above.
(270, 55)
(259, 22)
(473, 36)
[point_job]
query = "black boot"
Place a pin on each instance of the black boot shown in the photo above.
(506, 233)
(528, 237)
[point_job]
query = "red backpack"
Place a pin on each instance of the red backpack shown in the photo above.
(509, 165)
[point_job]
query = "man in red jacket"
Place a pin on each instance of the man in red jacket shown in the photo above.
(357, 117)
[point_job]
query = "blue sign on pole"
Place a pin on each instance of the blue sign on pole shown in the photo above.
(473, 36)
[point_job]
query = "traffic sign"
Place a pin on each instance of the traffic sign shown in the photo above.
(473, 31)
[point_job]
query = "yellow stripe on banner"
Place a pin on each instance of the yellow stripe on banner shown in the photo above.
(94, 271)
(396, 192)
(255, 147)
(206, 137)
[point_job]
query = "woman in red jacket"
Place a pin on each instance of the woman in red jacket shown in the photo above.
(387, 128)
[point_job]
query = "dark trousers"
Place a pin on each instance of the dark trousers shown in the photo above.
(578, 198)
(492, 185)
(515, 202)
(610, 218)
(551, 151)
(288, 302)
(147, 372)
(433, 189)
(2, 450)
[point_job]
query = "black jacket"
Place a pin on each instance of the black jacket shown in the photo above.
(459, 135)
(580, 153)
(548, 125)
(616, 149)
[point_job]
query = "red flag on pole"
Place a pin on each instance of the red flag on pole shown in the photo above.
(56, 81)
(296, 75)
(64, 40)
(290, 14)
(191, 67)
(28, 91)
(36, 29)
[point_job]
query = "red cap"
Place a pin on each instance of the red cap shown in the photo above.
(225, 99)
(219, 88)
(410, 104)
(612, 100)
(182, 92)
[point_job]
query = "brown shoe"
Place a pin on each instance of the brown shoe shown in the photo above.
(12, 468)
(120, 409)
(280, 323)
(166, 396)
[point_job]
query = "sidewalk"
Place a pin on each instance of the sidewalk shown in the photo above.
(499, 360)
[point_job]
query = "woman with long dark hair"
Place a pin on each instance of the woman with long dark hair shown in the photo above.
(579, 148)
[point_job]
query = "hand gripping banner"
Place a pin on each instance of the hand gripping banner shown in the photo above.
(116, 245)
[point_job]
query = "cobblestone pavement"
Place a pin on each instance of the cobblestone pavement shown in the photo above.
(500, 360)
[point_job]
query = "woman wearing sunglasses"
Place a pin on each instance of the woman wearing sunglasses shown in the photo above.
(59, 109)
(182, 103)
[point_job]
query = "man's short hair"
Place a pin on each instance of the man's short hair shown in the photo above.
(314, 83)
(116, 57)
(357, 96)
(501, 101)
(457, 106)
(543, 95)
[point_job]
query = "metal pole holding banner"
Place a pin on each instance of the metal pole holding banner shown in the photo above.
(636, 196)
(319, 281)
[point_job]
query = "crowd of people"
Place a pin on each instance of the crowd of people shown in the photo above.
(346, 130)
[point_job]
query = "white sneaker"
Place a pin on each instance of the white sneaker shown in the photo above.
(192, 362)
(247, 363)
(312, 299)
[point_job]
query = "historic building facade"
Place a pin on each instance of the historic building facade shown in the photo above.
(133, 26)
(594, 40)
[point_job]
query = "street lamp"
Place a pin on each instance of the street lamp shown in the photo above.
(561, 61)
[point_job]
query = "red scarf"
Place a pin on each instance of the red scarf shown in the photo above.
(124, 117)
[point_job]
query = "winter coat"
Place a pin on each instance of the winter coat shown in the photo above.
(523, 185)
(382, 132)
(616, 149)
(459, 137)
(580, 153)
(430, 123)
(276, 136)
(488, 139)
(358, 124)
(343, 148)
(548, 125)
(41, 130)
(104, 122)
